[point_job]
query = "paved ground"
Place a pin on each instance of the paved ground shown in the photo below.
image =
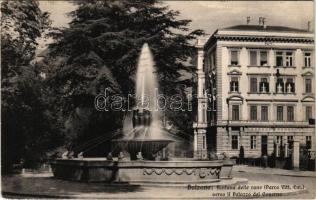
(275, 171)
(279, 176)
(45, 185)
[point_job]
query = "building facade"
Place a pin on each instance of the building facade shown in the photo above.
(255, 90)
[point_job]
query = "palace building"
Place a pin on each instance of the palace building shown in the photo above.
(255, 89)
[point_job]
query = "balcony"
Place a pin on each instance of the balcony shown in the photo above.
(234, 65)
(285, 67)
(200, 125)
(264, 123)
(285, 93)
(259, 66)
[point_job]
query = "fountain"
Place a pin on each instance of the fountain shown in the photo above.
(138, 161)
(146, 137)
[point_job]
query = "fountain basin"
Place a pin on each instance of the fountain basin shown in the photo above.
(227, 169)
(137, 172)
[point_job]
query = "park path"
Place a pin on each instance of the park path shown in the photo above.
(43, 185)
(275, 171)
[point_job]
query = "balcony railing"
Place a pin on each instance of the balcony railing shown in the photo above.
(200, 125)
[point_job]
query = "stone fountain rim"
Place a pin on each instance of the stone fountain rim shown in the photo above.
(143, 163)
(143, 140)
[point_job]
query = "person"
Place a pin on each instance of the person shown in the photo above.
(241, 155)
(265, 160)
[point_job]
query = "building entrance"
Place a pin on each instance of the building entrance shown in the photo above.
(264, 145)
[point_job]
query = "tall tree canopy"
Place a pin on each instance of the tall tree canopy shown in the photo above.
(100, 50)
(28, 128)
(102, 44)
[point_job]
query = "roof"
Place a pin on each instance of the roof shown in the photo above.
(259, 33)
(268, 28)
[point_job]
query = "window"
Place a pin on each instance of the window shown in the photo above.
(253, 85)
(289, 59)
(290, 113)
(279, 113)
(289, 85)
(264, 85)
(308, 112)
(262, 81)
(264, 113)
(234, 141)
(279, 139)
(235, 112)
(234, 84)
(307, 59)
(290, 138)
(308, 142)
(253, 58)
(263, 58)
(253, 142)
(279, 86)
(253, 112)
(204, 113)
(279, 59)
(262, 55)
(284, 58)
(290, 141)
(234, 57)
(308, 85)
(285, 84)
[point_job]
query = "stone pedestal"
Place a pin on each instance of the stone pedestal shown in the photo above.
(200, 144)
(296, 155)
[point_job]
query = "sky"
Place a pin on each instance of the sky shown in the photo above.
(212, 15)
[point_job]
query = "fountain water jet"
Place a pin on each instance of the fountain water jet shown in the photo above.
(147, 136)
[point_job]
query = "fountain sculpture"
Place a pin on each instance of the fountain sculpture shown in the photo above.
(138, 161)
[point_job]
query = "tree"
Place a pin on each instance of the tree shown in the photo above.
(28, 128)
(108, 35)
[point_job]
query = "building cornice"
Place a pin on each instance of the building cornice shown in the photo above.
(264, 38)
(308, 98)
(273, 100)
(234, 72)
(269, 124)
(307, 74)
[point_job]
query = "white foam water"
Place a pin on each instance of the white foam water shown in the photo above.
(146, 91)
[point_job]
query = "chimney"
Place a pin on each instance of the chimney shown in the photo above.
(309, 26)
(248, 20)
